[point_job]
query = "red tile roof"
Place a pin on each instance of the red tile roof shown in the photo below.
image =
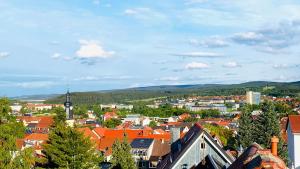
(109, 136)
(19, 143)
(294, 122)
(257, 157)
(87, 132)
(37, 136)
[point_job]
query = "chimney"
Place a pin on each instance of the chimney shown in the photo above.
(175, 134)
(274, 142)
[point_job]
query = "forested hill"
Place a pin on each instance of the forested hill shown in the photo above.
(144, 93)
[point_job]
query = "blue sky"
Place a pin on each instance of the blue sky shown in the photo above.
(51, 45)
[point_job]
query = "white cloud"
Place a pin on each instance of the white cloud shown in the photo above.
(92, 49)
(196, 65)
(4, 54)
(248, 37)
(212, 42)
(169, 78)
(106, 77)
(280, 66)
(56, 56)
(67, 58)
(198, 54)
(35, 84)
(145, 14)
(231, 65)
(96, 2)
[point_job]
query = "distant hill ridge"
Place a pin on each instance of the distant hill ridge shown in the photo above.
(141, 93)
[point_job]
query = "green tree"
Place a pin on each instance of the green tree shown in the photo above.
(112, 123)
(152, 124)
(4, 110)
(121, 156)
(60, 115)
(10, 130)
(246, 127)
(266, 125)
(68, 148)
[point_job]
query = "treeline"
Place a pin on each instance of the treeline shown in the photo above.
(137, 94)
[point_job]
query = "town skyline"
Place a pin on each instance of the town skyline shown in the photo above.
(50, 46)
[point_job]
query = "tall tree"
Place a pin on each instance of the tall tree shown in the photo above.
(68, 148)
(10, 130)
(246, 127)
(121, 156)
(4, 110)
(60, 115)
(266, 125)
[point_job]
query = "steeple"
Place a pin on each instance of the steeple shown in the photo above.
(68, 105)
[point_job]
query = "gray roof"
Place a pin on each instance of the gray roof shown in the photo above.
(142, 143)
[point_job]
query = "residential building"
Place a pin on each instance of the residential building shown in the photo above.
(110, 115)
(195, 150)
(141, 150)
(134, 118)
(293, 132)
(253, 97)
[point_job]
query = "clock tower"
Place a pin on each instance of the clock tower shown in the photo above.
(68, 106)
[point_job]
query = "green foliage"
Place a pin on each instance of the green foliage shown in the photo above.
(266, 125)
(208, 113)
(60, 115)
(127, 95)
(112, 123)
(224, 134)
(68, 148)
(263, 128)
(121, 156)
(24, 159)
(191, 119)
(10, 130)
(246, 127)
(24, 110)
(80, 111)
(4, 110)
(152, 124)
(163, 111)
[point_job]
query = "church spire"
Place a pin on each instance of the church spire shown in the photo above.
(68, 105)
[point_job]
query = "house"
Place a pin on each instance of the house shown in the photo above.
(145, 121)
(195, 149)
(161, 148)
(39, 124)
(293, 132)
(134, 118)
(184, 116)
(141, 150)
(255, 157)
(109, 115)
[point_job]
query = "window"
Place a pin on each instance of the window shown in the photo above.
(202, 145)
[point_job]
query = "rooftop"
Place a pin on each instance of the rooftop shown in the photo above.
(143, 143)
(294, 121)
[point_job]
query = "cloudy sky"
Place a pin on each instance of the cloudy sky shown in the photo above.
(51, 45)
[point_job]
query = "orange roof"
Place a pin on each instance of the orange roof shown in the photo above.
(184, 116)
(19, 143)
(100, 131)
(87, 132)
(294, 121)
(109, 136)
(37, 136)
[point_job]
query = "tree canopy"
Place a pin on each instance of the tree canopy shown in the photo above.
(68, 148)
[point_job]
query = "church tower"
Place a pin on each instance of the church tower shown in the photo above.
(68, 105)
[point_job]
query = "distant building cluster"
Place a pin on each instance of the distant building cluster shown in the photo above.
(172, 143)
